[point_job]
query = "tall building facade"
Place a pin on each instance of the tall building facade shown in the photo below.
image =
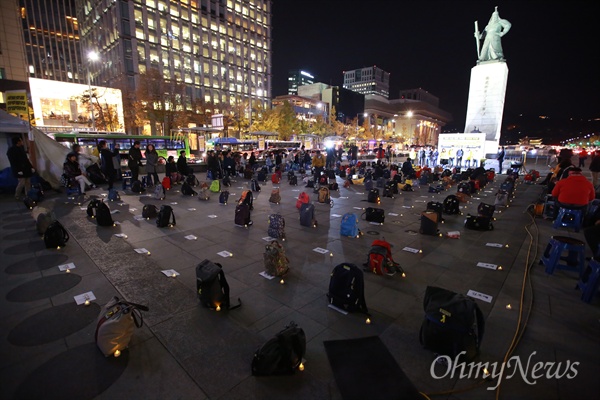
(219, 49)
(368, 80)
(298, 78)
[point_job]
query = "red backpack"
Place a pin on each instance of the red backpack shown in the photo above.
(380, 259)
(303, 198)
(275, 178)
(166, 182)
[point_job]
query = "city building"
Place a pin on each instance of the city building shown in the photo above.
(368, 80)
(297, 78)
(306, 108)
(219, 49)
(346, 103)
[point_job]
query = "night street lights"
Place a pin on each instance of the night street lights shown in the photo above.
(92, 56)
(364, 115)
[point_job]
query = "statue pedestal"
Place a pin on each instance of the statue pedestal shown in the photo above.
(486, 100)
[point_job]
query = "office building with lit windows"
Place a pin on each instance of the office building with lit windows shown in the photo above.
(368, 80)
(298, 78)
(219, 49)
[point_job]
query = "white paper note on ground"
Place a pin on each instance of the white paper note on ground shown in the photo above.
(411, 250)
(265, 275)
(81, 298)
(487, 265)
(190, 237)
(494, 244)
(320, 250)
(480, 296)
(141, 251)
(170, 272)
(65, 267)
(225, 253)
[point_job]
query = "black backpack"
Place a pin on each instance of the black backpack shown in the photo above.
(254, 185)
(29, 203)
(486, 210)
(56, 235)
(373, 214)
(212, 287)
(453, 323)
(224, 197)
(437, 207)
(192, 180)
(347, 288)
(373, 196)
(165, 217)
(186, 189)
(479, 223)
(103, 217)
(293, 180)
(36, 193)
(451, 205)
(92, 205)
(242, 215)
(137, 187)
(282, 354)
(307, 215)
(226, 181)
(149, 211)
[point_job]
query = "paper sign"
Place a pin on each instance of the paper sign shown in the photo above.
(190, 237)
(423, 196)
(357, 208)
(170, 273)
(393, 214)
(360, 193)
(83, 208)
(320, 250)
(121, 204)
(174, 203)
(335, 215)
(481, 296)
(408, 206)
(131, 210)
(411, 250)
(375, 223)
(487, 265)
(420, 201)
(295, 190)
(337, 309)
(115, 211)
(65, 267)
(225, 254)
(121, 235)
(81, 298)
(265, 275)
(138, 218)
(494, 244)
(343, 197)
(268, 239)
(116, 223)
(212, 216)
(191, 209)
(141, 251)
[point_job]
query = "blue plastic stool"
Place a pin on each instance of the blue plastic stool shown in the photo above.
(553, 255)
(589, 281)
(569, 218)
(73, 190)
(126, 182)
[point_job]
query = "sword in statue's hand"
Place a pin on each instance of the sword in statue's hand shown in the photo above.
(477, 38)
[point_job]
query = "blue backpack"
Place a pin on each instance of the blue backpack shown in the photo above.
(349, 225)
(276, 228)
(113, 195)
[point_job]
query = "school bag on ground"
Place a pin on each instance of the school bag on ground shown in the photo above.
(275, 178)
(380, 261)
(186, 189)
(215, 186)
(166, 183)
(276, 228)
(453, 323)
(149, 211)
(247, 198)
(373, 214)
(55, 236)
(212, 287)
(103, 216)
(36, 193)
(29, 203)
(275, 196)
(429, 223)
(479, 223)
(204, 194)
(349, 225)
(137, 187)
(501, 199)
(226, 181)
(192, 180)
(347, 288)
(282, 354)
(324, 195)
(92, 206)
(116, 324)
(451, 205)
(334, 186)
(254, 185)
(307, 215)
(373, 196)
(159, 192)
(293, 180)
(438, 208)
(303, 198)
(165, 217)
(276, 263)
(486, 210)
(43, 221)
(242, 215)
(113, 195)
(224, 197)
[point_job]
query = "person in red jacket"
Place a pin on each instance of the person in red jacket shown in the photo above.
(575, 191)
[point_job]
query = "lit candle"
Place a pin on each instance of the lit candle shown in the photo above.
(403, 275)
(500, 268)
(330, 254)
(87, 303)
(57, 247)
(368, 321)
(218, 308)
(282, 281)
(148, 253)
(508, 307)
(68, 271)
(420, 251)
(117, 353)
(174, 275)
(301, 367)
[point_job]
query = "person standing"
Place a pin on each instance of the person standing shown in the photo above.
(20, 165)
(135, 160)
(422, 156)
(106, 163)
(318, 162)
(583, 155)
(469, 158)
(151, 164)
(451, 154)
(459, 157)
(595, 168)
(500, 159)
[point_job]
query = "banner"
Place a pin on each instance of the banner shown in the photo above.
(261, 143)
(16, 102)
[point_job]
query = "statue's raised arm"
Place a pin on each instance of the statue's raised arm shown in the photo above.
(492, 46)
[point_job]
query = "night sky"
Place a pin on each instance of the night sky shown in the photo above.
(552, 49)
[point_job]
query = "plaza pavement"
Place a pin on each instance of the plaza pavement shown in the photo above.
(185, 351)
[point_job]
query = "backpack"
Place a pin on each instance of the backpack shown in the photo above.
(303, 198)
(451, 205)
(275, 178)
(373, 214)
(388, 190)
(501, 199)
(215, 186)
(166, 183)
(479, 223)
(226, 181)
(113, 195)
(438, 208)
(281, 354)
(429, 222)
(186, 189)
(212, 287)
(55, 236)
(166, 217)
(379, 259)
(149, 211)
(247, 198)
(224, 197)
(242, 215)
(349, 225)
(324, 195)
(453, 323)
(373, 196)
(436, 189)
(276, 226)
(137, 187)
(36, 193)
(464, 187)
(293, 180)
(276, 263)
(261, 176)
(368, 185)
(323, 179)
(29, 203)
(347, 288)
(407, 187)
(43, 221)
(254, 186)
(103, 216)
(307, 215)
(275, 196)
(159, 192)
(92, 205)
(192, 180)
(310, 183)
(204, 194)
(486, 210)
(116, 324)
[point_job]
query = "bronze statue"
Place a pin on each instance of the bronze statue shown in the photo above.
(492, 46)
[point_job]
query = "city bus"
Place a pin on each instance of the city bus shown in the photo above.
(165, 145)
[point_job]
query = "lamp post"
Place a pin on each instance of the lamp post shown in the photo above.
(92, 56)
(364, 115)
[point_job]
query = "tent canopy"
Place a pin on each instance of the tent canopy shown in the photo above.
(12, 124)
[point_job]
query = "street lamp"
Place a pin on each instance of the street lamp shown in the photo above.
(92, 56)
(364, 115)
